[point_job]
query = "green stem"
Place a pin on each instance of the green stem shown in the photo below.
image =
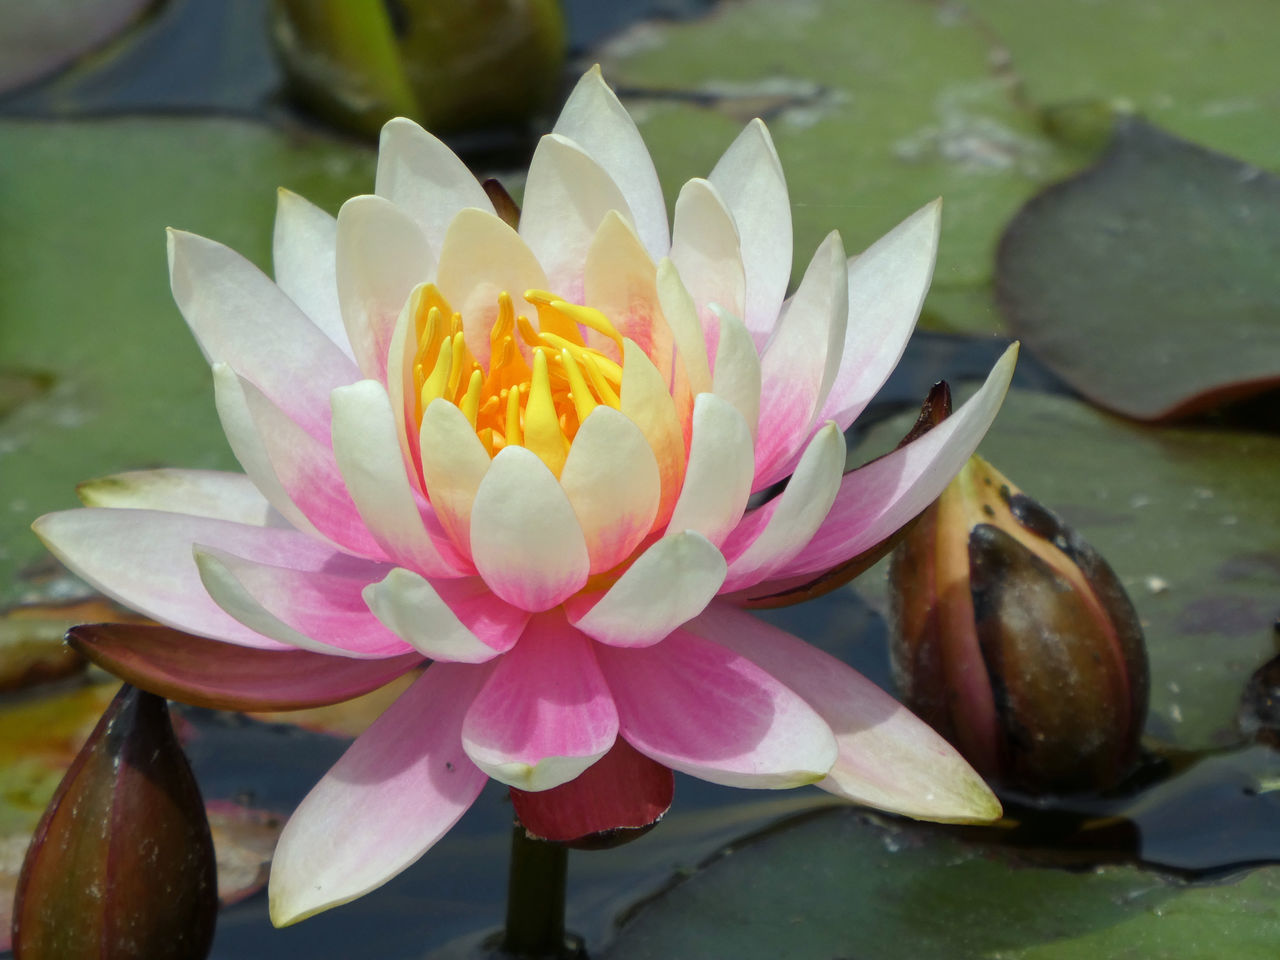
(536, 897)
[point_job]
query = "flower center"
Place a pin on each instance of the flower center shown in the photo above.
(536, 397)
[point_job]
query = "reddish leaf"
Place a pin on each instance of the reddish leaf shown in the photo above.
(222, 676)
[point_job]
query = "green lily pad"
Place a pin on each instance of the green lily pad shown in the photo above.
(1150, 282)
(1187, 519)
(1205, 71)
(839, 884)
(84, 297)
(876, 108)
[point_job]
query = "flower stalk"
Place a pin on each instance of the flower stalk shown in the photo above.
(536, 899)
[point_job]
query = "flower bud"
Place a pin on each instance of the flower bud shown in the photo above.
(1015, 640)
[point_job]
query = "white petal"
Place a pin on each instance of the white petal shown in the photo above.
(795, 514)
(480, 257)
(737, 369)
(454, 461)
(423, 177)
(525, 538)
(243, 319)
(611, 480)
(887, 285)
(565, 199)
(717, 482)
(686, 327)
(671, 582)
(200, 493)
(368, 454)
(302, 255)
(409, 607)
(800, 362)
(706, 249)
(749, 178)
(594, 118)
(381, 256)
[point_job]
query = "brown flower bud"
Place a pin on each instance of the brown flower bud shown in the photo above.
(1016, 641)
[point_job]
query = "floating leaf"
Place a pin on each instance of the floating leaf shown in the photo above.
(838, 884)
(91, 200)
(122, 863)
(1150, 282)
(32, 650)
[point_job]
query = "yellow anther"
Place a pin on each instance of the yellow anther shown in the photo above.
(505, 324)
(512, 431)
(438, 379)
(589, 317)
(527, 333)
(427, 339)
(598, 382)
(579, 392)
(542, 433)
(470, 405)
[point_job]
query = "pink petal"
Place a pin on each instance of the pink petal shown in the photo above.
(525, 539)
(671, 582)
(244, 320)
(545, 714)
(750, 180)
(307, 474)
(791, 518)
(699, 708)
(878, 498)
(412, 608)
(143, 559)
(321, 612)
(481, 257)
(623, 790)
(395, 792)
(706, 249)
(717, 482)
(611, 480)
(201, 493)
(887, 284)
(800, 362)
(594, 118)
(381, 256)
(566, 197)
(888, 757)
(424, 178)
(303, 259)
(367, 449)
(222, 676)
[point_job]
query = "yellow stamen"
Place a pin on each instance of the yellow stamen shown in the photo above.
(579, 392)
(598, 382)
(589, 317)
(551, 319)
(470, 405)
(513, 434)
(542, 433)
(436, 382)
(458, 347)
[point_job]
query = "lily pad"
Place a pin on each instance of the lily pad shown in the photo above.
(1187, 519)
(84, 293)
(876, 108)
(840, 884)
(1149, 282)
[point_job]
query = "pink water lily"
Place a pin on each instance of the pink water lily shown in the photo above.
(527, 456)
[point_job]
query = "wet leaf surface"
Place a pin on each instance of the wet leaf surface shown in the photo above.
(839, 884)
(1149, 282)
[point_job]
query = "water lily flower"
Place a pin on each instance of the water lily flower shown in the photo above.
(527, 456)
